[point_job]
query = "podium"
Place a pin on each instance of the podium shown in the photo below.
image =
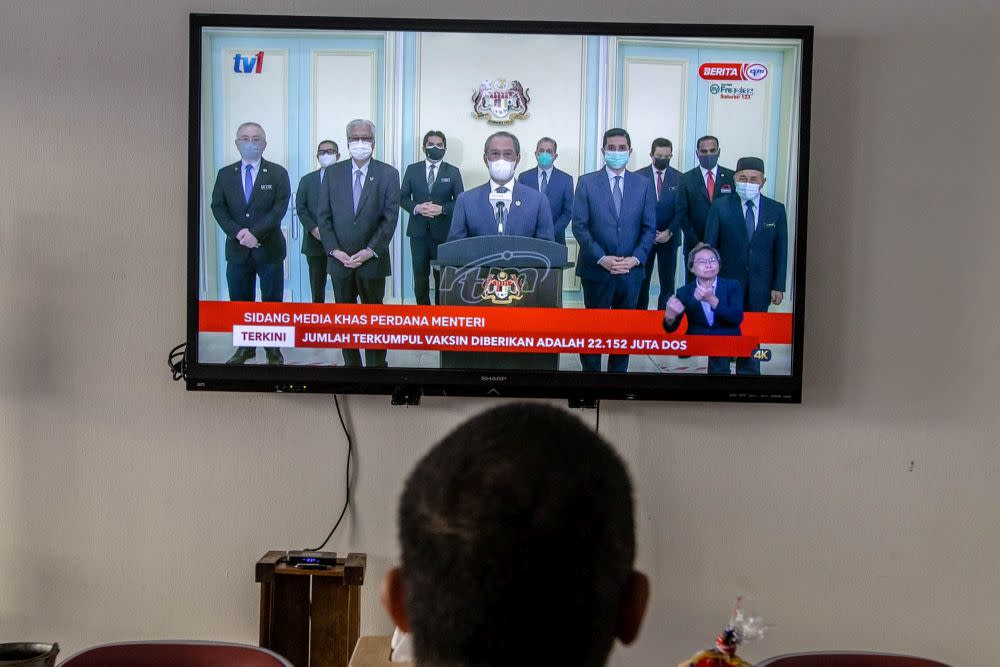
(311, 631)
(501, 272)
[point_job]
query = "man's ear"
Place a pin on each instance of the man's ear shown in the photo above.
(634, 601)
(393, 595)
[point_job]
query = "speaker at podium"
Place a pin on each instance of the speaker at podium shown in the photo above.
(501, 272)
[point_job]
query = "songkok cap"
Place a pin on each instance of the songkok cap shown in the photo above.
(754, 163)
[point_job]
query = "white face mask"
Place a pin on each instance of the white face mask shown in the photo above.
(360, 150)
(748, 190)
(326, 160)
(502, 171)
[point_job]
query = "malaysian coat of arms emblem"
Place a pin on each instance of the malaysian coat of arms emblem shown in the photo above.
(501, 101)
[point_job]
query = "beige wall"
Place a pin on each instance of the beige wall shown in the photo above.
(556, 91)
(865, 518)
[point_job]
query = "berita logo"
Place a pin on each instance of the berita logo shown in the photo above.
(248, 64)
(733, 71)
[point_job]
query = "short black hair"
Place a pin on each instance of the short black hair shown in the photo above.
(555, 146)
(435, 133)
(515, 529)
(329, 141)
(501, 133)
(707, 137)
(616, 132)
(660, 142)
(698, 248)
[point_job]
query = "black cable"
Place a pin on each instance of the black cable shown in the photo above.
(177, 361)
(347, 486)
(597, 422)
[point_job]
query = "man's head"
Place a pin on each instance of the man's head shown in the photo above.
(703, 261)
(435, 144)
(517, 531)
(546, 152)
(501, 153)
(361, 140)
(707, 151)
(616, 147)
(660, 152)
(250, 141)
(749, 177)
(327, 152)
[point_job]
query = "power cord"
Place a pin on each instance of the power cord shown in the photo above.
(597, 421)
(347, 486)
(177, 361)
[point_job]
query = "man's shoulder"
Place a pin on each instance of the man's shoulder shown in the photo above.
(311, 176)
(773, 203)
(559, 173)
(230, 169)
(472, 192)
(382, 167)
(267, 165)
(526, 176)
(646, 171)
(415, 168)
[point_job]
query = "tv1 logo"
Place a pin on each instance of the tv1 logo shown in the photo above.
(248, 65)
(732, 71)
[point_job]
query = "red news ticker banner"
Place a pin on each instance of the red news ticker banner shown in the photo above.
(478, 329)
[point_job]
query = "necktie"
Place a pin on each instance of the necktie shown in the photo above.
(750, 220)
(659, 184)
(430, 177)
(357, 189)
(248, 183)
(321, 172)
(617, 195)
(545, 181)
(710, 185)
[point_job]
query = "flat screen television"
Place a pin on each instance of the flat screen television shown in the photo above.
(512, 208)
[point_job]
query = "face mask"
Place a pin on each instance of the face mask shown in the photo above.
(708, 161)
(360, 150)
(434, 153)
(748, 190)
(616, 159)
(326, 160)
(501, 171)
(250, 151)
(545, 160)
(661, 163)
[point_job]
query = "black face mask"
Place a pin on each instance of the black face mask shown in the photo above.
(434, 153)
(661, 163)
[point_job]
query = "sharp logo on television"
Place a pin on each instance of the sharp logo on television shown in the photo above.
(500, 101)
(503, 287)
(733, 72)
(248, 64)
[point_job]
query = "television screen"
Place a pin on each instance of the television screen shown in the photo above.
(588, 210)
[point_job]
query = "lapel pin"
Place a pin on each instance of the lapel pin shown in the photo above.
(264, 170)
(371, 179)
(517, 203)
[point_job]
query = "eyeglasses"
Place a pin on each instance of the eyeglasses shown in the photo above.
(365, 138)
(328, 151)
(706, 262)
(497, 155)
(252, 140)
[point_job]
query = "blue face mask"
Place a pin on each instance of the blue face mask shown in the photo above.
(250, 151)
(545, 160)
(616, 159)
(748, 190)
(708, 161)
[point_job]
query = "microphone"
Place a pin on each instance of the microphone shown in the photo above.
(500, 218)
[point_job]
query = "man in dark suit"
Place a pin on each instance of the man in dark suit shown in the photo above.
(666, 180)
(499, 206)
(614, 221)
(751, 233)
(713, 305)
(307, 206)
(555, 184)
(430, 188)
(359, 208)
(249, 200)
(699, 188)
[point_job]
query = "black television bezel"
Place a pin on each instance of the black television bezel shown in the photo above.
(410, 383)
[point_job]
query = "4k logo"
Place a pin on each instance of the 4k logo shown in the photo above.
(248, 64)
